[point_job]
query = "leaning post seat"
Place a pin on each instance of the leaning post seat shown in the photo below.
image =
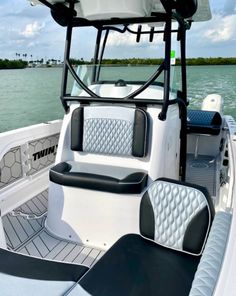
(175, 220)
(97, 184)
(105, 130)
(204, 122)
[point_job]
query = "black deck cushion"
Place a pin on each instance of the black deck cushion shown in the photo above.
(140, 134)
(135, 266)
(77, 124)
(196, 232)
(146, 217)
(133, 183)
(39, 269)
(204, 122)
(198, 228)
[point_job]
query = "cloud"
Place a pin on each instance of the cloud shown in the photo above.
(40, 12)
(33, 29)
(229, 7)
(29, 30)
(214, 38)
(222, 29)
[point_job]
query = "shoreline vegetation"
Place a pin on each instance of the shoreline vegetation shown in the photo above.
(13, 64)
(139, 61)
(20, 64)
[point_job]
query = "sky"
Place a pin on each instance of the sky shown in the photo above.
(31, 30)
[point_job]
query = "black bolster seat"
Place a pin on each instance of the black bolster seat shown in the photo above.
(111, 131)
(204, 122)
(175, 219)
(131, 183)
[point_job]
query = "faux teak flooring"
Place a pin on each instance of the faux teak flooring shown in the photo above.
(26, 234)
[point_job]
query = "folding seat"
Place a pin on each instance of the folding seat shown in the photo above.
(175, 220)
(204, 132)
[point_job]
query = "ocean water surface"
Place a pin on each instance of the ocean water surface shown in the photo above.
(32, 96)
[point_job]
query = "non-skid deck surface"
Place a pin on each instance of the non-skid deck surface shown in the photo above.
(202, 171)
(26, 221)
(46, 246)
(26, 234)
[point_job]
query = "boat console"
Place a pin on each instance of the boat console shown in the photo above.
(114, 153)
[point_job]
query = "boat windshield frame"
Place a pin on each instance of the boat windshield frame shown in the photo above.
(66, 16)
(98, 55)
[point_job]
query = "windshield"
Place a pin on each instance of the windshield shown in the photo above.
(113, 74)
(94, 74)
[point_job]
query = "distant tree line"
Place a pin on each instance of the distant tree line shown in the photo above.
(20, 64)
(191, 61)
(211, 61)
(133, 61)
(13, 64)
(142, 61)
(79, 61)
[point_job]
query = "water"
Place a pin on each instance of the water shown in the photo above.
(31, 96)
(204, 80)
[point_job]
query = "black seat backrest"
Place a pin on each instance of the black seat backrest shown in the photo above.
(109, 130)
(204, 122)
(177, 215)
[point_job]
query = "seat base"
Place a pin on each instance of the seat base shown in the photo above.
(137, 266)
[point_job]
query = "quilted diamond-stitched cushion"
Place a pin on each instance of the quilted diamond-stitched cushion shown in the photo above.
(174, 206)
(199, 117)
(204, 122)
(209, 267)
(108, 136)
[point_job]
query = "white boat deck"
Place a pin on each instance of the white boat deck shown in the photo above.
(26, 234)
(25, 231)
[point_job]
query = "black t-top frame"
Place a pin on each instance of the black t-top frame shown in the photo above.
(66, 16)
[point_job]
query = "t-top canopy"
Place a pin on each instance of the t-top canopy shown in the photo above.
(106, 9)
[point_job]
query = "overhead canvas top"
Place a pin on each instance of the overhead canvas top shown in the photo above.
(203, 12)
(106, 9)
